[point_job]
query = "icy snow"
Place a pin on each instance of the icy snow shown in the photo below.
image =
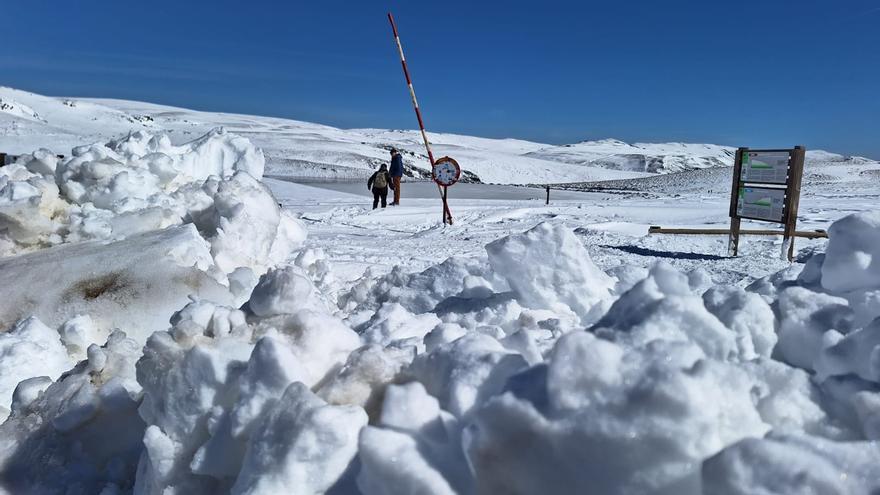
(168, 328)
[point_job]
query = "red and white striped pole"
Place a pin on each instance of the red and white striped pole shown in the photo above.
(447, 215)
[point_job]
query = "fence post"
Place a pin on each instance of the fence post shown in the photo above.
(547, 202)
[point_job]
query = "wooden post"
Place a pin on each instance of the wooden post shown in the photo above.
(792, 199)
(733, 240)
(547, 202)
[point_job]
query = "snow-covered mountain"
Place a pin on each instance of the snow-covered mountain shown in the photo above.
(639, 157)
(300, 149)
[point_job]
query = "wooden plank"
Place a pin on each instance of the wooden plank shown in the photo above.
(810, 234)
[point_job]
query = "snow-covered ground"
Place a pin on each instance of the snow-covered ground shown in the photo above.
(175, 321)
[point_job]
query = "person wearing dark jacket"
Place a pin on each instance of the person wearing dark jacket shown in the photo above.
(378, 183)
(396, 173)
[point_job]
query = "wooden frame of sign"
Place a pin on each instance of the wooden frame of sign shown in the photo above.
(766, 187)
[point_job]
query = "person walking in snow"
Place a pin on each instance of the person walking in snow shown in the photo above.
(396, 173)
(378, 183)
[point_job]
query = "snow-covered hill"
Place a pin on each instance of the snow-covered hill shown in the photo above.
(305, 150)
(639, 157)
(664, 158)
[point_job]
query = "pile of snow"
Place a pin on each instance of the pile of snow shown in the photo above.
(143, 183)
(528, 370)
(135, 184)
(123, 235)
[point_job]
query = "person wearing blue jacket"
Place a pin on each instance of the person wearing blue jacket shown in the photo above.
(396, 172)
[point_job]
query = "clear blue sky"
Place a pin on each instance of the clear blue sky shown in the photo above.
(751, 72)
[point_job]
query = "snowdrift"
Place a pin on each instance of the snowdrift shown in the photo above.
(123, 235)
(527, 371)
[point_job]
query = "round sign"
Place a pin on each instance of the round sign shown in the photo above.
(446, 171)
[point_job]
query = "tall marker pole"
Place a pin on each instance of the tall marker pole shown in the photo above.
(447, 215)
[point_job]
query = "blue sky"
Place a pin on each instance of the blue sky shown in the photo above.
(745, 73)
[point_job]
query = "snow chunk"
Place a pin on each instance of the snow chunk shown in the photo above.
(549, 268)
(394, 323)
(806, 317)
(77, 334)
(304, 443)
(793, 464)
(82, 434)
(247, 220)
(218, 401)
(663, 308)
(466, 372)
(788, 400)
(321, 342)
(365, 375)
(612, 417)
(29, 349)
(417, 292)
(857, 353)
(746, 314)
(852, 259)
(415, 449)
(283, 290)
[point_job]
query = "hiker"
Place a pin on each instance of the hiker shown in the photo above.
(396, 173)
(378, 183)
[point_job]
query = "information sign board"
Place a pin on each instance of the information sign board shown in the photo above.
(761, 203)
(768, 167)
(766, 186)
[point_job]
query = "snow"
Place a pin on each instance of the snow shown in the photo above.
(29, 349)
(640, 157)
(793, 464)
(305, 443)
(174, 322)
(852, 260)
(641, 426)
(567, 283)
(135, 283)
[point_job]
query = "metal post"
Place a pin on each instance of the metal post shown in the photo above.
(445, 206)
(548, 196)
(447, 215)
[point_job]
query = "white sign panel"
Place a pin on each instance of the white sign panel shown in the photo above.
(446, 171)
(761, 203)
(763, 166)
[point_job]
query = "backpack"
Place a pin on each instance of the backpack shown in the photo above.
(381, 181)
